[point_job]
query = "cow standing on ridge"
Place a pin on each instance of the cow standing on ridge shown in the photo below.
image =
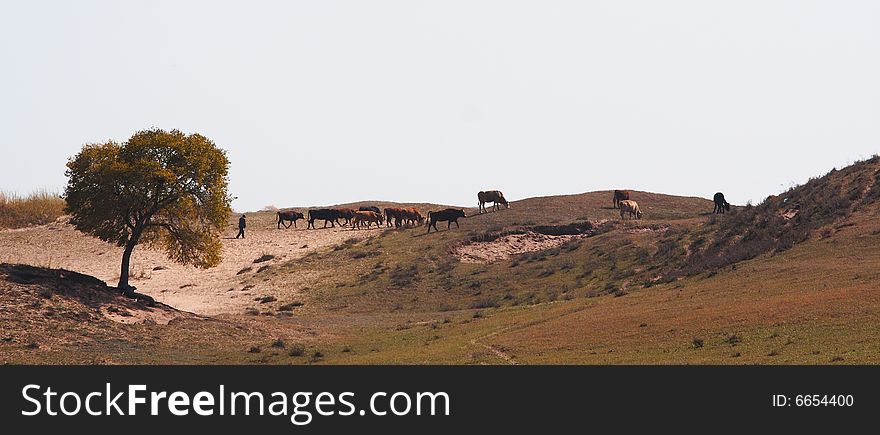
(629, 208)
(493, 196)
(721, 204)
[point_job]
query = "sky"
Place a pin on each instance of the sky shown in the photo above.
(325, 102)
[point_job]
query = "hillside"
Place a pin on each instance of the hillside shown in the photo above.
(709, 280)
(557, 279)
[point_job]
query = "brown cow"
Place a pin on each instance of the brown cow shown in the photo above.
(411, 216)
(392, 216)
(367, 217)
(493, 196)
(630, 208)
(620, 195)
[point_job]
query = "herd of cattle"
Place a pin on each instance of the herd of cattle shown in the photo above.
(398, 217)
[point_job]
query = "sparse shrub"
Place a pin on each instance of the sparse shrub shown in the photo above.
(364, 254)
(290, 306)
(571, 245)
(264, 258)
(297, 350)
(345, 244)
(485, 303)
(478, 314)
(278, 343)
(546, 272)
(254, 349)
(402, 276)
(697, 342)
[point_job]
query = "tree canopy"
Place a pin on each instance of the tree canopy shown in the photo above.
(164, 188)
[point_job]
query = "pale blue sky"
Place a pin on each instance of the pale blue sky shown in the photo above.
(323, 102)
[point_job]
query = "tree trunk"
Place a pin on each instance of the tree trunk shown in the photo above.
(123, 274)
(123, 285)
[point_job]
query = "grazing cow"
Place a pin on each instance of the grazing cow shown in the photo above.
(373, 209)
(325, 214)
(493, 196)
(291, 216)
(631, 208)
(620, 195)
(410, 216)
(721, 205)
(345, 213)
(366, 216)
(448, 215)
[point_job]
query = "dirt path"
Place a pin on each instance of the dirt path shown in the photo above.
(204, 292)
(496, 350)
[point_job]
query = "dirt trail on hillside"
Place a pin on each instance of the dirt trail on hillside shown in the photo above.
(203, 292)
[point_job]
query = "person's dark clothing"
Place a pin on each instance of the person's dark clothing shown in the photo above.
(242, 223)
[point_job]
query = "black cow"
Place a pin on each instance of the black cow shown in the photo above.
(291, 216)
(345, 213)
(449, 215)
(620, 195)
(325, 214)
(721, 205)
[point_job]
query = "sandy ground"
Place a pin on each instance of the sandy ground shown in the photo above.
(507, 246)
(204, 292)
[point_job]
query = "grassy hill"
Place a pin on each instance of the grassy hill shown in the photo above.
(790, 280)
(681, 285)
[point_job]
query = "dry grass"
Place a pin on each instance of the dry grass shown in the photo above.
(38, 208)
(403, 296)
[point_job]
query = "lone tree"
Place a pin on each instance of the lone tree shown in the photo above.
(164, 188)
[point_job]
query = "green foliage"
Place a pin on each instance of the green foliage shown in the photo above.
(164, 188)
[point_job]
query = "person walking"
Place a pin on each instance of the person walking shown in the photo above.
(242, 224)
